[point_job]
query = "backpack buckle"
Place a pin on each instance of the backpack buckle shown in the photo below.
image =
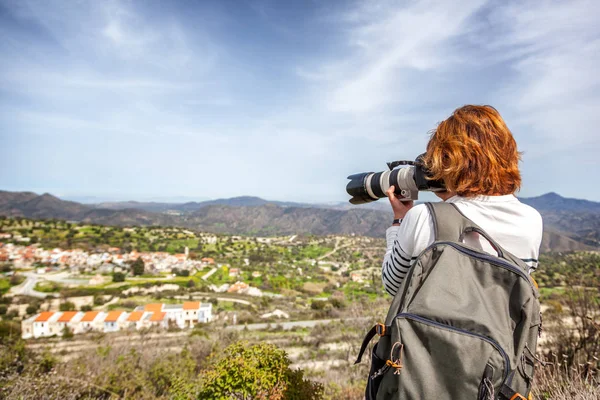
(380, 329)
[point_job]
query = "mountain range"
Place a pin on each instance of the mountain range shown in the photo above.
(569, 224)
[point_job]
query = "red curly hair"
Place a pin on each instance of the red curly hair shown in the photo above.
(474, 153)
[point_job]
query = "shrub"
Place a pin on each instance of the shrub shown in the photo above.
(118, 277)
(138, 267)
(66, 306)
(31, 309)
(260, 371)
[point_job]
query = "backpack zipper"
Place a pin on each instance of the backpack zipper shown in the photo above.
(495, 344)
(494, 260)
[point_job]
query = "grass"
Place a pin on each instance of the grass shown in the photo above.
(4, 285)
(48, 287)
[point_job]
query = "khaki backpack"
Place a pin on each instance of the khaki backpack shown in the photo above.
(464, 324)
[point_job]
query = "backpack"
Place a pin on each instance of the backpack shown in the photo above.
(464, 324)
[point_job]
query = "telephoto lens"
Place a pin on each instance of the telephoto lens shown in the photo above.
(371, 186)
(408, 177)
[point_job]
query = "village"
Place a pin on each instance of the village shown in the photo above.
(109, 261)
(154, 315)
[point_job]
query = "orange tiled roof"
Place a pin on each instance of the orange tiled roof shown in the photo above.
(89, 316)
(44, 316)
(153, 307)
(113, 316)
(67, 316)
(135, 316)
(191, 305)
(158, 316)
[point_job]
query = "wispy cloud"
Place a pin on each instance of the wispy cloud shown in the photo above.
(388, 44)
(283, 102)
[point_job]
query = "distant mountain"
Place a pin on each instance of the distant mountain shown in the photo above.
(555, 202)
(572, 225)
(33, 206)
(146, 206)
(578, 219)
(242, 201)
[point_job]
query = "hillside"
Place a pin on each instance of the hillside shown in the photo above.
(570, 224)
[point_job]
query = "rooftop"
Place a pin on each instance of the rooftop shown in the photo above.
(153, 307)
(67, 316)
(135, 316)
(113, 316)
(44, 316)
(191, 305)
(89, 316)
(158, 316)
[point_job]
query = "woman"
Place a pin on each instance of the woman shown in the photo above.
(474, 153)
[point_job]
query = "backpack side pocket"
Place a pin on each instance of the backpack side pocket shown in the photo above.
(378, 369)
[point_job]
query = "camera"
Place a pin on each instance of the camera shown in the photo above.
(408, 177)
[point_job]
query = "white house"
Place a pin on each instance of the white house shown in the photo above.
(136, 319)
(158, 319)
(91, 321)
(27, 327)
(205, 313)
(68, 319)
(44, 324)
(174, 313)
(194, 312)
(114, 321)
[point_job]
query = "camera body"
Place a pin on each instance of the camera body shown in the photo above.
(408, 177)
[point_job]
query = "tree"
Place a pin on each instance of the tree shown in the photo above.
(257, 372)
(191, 283)
(138, 267)
(118, 277)
(32, 308)
(3, 310)
(66, 306)
(67, 333)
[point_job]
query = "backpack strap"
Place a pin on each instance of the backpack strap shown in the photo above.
(451, 225)
(378, 329)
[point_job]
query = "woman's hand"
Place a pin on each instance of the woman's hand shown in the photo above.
(400, 207)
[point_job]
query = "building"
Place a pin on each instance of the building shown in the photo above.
(68, 320)
(27, 327)
(135, 320)
(159, 315)
(41, 324)
(114, 321)
(91, 321)
(174, 314)
(159, 320)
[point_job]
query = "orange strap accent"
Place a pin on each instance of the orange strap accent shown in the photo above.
(518, 396)
(380, 329)
(536, 286)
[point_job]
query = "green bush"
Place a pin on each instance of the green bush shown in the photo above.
(138, 267)
(66, 306)
(260, 371)
(118, 277)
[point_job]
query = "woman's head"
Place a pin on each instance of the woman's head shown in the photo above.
(474, 153)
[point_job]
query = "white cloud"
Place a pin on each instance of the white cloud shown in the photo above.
(387, 43)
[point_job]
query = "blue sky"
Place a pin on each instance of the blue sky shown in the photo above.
(281, 99)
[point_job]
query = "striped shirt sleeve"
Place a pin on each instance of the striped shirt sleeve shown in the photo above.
(404, 243)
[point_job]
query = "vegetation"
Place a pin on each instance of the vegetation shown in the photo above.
(256, 372)
(307, 278)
